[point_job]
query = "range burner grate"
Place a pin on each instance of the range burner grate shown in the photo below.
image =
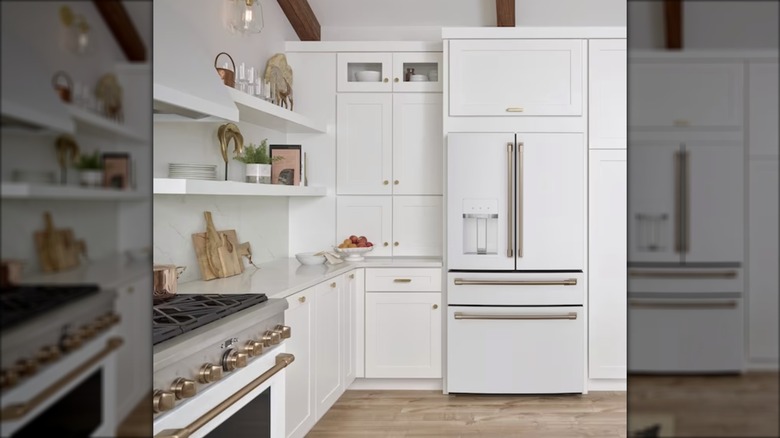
(182, 313)
(24, 302)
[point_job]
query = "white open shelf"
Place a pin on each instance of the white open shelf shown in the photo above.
(91, 123)
(172, 186)
(259, 112)
(21, 190)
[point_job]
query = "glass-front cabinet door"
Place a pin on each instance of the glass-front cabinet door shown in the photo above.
(417, 72)
(364, 72)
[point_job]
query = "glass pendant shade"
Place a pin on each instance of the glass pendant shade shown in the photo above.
(245, 16)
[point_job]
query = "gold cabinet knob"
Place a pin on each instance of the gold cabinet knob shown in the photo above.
(209, 373)
(333, 284)
(284, 330)
(395, 244)
(271, 338)
(396, 182)
(385, 80)
(130, 289)
(395, 80)
(301, 299)
(385, 182)
(385, 244)
(435, 306)
(183, 388)
(163, 401)
(234, 359)
(8, 378)
(351, 276)
(48, 354)
(253, 348)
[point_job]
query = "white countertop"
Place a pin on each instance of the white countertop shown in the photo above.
(108, 272)
(284, 277)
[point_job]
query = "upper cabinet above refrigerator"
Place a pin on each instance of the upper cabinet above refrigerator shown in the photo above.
(516, 77)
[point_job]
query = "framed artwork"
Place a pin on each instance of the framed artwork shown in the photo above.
(116, 170)
(285, 164)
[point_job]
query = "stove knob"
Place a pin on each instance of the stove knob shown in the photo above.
(163, 401)
(71, 342)
(8, 378)
(183, 388)
(87, 331)
(283, 330)
(233, 359)
(209, 373)
(114, 318)
(26, 367)
(48, 354)
(254, 348)
(271, 338)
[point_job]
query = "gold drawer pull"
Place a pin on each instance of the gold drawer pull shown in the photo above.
(514, 109)
(682, 122)
(402, 280)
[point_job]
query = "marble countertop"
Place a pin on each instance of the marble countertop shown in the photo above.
(108, 272)
(284, 277)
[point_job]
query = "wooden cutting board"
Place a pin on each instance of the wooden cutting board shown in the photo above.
(218, 252)
(58, 249)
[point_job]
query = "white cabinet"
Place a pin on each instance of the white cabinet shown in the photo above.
(390, 69)
(299, 380)
(762, 108)
(607, 265)
(354, 334)
(396, 225)
(516, 77)
(762, 276)
(607, 82)
(328, 344)
(364, 152)
(133, 359)
(389, 144)
(667, 93)
(403, 335)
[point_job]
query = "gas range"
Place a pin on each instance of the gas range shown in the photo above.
(207, 349)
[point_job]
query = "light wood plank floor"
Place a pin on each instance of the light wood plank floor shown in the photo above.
(432, 414)
(710, 406)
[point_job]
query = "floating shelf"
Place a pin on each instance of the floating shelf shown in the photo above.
(90, 123)
(171, 186)
(259, 112)
(17, 190)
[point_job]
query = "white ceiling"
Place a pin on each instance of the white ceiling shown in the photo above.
(367, 13)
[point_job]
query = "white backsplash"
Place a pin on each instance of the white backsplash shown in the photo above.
(260, 221)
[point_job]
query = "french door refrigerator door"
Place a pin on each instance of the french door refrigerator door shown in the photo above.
(515, 202)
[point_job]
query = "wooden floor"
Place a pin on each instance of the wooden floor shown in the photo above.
(710, 406)
(432, 414)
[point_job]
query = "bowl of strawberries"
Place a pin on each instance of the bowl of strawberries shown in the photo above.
(354, 247)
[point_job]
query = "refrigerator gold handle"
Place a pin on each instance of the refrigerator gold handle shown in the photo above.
(684, 274)
(686, 204)
(677, 201)
(675, 304)
(520, 176)
(509, 222)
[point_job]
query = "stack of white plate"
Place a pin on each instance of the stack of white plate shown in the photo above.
(192, 171)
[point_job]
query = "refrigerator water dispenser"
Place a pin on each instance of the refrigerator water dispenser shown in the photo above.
(480, 226)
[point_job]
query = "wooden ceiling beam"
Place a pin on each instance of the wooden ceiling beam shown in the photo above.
(302, 19)
(118, 21)
(505, 13)
(673, 23)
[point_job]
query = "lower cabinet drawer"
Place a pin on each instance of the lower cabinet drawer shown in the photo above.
(515, 350)
(403, 280)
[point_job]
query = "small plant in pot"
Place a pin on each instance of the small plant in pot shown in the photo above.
(258, 162)
(90, 167)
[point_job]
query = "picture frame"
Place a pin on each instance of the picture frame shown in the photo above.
(116, 170)
(286, 164)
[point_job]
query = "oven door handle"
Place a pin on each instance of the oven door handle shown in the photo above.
(461, 315)
(282, 360)
(19, 410)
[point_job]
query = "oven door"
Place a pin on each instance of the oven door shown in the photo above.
(251, 400)
(74, 396)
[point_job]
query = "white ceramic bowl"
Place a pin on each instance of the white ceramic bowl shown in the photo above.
(354, 254)
(418, 78)
(308, 258)
(367, 76)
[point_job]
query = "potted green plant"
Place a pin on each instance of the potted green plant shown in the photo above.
(90, 168)
(258, 162)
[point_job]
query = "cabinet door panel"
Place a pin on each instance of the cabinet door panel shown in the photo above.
(763, 105)
(403, 335)
(299, 380)
(428, 65)
(516, 77)
(607, 265)
(349, 64)
(364, 144)
(417, 225)
(607, 93)
(417, 144)
(328, 346)
(369, 216)
(353, 325)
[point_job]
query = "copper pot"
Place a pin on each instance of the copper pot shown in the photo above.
(165, 280)
(10, 272)
(62, 90)
(228, 76)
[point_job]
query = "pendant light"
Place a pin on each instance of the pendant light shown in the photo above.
(245, 16)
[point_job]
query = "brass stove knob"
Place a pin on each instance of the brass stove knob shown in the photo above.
(183, 388)
(209, 373)
(87, 331)
(163, 401)
(283, 330)
(271, 338)
(48, 354)
(114, 318)
(254, 348)
(26, 367)
(8, 378)
(72, 341)
(234, 359)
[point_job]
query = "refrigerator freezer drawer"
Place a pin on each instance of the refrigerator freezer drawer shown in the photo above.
(685, 280)
(519, 289)
(674, 335)
(515, 350)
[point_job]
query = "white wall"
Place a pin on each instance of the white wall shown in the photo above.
(570, 13)
(707, 24)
